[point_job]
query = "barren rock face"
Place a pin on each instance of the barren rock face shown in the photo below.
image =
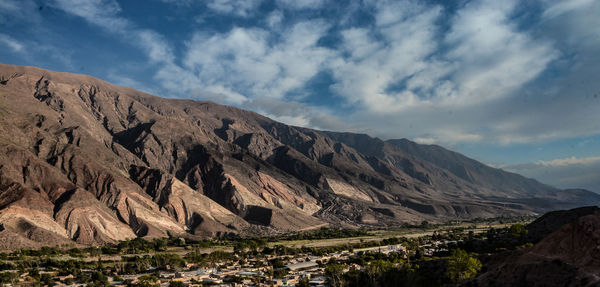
(82, 160)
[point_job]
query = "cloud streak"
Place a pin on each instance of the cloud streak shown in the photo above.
(105, 14)
(242, 8)
(569, 172)
(570, 161)
(11, 43)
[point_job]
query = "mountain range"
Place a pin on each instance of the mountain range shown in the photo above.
(85, 161)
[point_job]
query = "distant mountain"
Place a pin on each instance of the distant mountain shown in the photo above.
(86, 161)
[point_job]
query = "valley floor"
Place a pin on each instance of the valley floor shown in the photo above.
(237, 261)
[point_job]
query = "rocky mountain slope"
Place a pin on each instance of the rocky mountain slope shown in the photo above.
(552, 221)
(86, 161)
(567, 254)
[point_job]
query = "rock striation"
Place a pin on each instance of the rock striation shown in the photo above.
(85, 161)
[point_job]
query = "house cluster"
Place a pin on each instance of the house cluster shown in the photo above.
(432, 247)
(234, 276)
(255, 273)
(290, 271)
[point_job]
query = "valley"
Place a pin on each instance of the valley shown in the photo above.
(274, 261)
(501, 253)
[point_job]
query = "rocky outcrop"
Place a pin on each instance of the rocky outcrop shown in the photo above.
(568, 253)
(86, 161)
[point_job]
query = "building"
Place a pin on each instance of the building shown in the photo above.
(307, 265)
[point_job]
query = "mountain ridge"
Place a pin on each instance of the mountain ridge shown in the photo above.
(82, 160)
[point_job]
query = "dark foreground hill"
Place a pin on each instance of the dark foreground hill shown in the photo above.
(83, 160)
(567, 254)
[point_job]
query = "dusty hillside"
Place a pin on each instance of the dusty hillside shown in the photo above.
(552, 221)
(568, 253)
(88, 161)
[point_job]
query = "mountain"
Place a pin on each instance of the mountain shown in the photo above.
(86, 161)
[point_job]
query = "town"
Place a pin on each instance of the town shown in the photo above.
(302, 269)
(326, 257)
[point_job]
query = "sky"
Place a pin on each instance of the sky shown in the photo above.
(514, 84)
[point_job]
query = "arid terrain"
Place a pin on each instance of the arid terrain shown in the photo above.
(86, 161)
(566, 253)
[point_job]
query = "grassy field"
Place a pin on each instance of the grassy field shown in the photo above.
(378, 235)
(371, 236)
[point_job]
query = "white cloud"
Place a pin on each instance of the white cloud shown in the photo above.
(375, 65)
(411, 65)
(241, 8)
(449, 137)
(425, 140)
(98, 12)
(301, 4)
(296, 113)
(570, 161)
(246, 60)
(410, 76)
(560, 7)
(221, 94)
(11, 43)
(274, 19)
(494, 57)
(105, 14)
(155, 46)
(563, 173)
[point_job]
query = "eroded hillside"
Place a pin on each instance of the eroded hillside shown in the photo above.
(86, 161)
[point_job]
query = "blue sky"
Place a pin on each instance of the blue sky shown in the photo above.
(511, 83)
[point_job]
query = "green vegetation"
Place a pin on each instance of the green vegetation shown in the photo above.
(334, 273)
(145, 281)
(462, 266)
(387, 272)
(303, 283)
(454, 258)
(319, 234)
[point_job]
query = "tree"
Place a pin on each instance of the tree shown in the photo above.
(376, 269)
(98, 279)
(34, 273)
(176, 284)
(462, 266)
(303, 283)
(518, 231)
(117, 278)
(334, 272)
(46, 279)
(160, 244)
(8, 277)
(147, 281)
